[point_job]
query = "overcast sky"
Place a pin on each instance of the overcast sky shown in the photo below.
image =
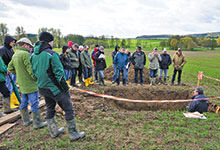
(120, 18)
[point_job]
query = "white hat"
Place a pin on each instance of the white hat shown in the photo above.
(164, 50)
(80, 46)
(25, 40)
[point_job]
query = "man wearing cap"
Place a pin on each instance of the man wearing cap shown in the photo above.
(96, 49)
(6, 52)
(51, 81)
(178, 63)
(100, 65)
(154, 59)
(164, 65)
(114, 78)
(74, 59)
(138, 59)
(201, 103)
(21, 66)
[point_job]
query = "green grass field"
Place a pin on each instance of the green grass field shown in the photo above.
(122, 129)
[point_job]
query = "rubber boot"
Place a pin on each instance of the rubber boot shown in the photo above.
(86, 82)
(103, 82)
(159, 81)
(6, 106)
(80, 80)
(25, 117)
(165, 81)
(151, 81)
(37, 120)
(74, 134)
(154, 81)
(89, 80)
(100, 82)
(54, 131)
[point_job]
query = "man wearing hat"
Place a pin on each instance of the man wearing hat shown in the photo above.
(6, 52)
(164, 65)
(201, 103)
(138, 59)
(51, 81)
(21, 66)
(178, 63)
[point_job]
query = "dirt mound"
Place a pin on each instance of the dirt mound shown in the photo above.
(146, 73)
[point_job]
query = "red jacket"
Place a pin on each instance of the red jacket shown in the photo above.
(93, 56)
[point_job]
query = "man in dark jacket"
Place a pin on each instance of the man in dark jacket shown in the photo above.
(66, 62)
(100, 65)
(138, 59)
(164, 65)
(73, 55)
(121, 60)
(80, 65)
(114, 78)
(200, 105)
(96, 49)
(6, 52)
(51, 81)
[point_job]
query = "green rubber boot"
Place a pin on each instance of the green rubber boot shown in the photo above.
(74, 134)
(54, 131)
(25, 117)
(37, 120)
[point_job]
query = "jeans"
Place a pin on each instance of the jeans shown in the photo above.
(165, 73)
(114, 78)
(101, 74)
(153, 73)
(67, 74)
(87, 72)
(73, 78)
(96, 73)
(33, 98)
(8, 82)
(4, 90)
(62, 99)
(136, 76)
(174, 75)
(124, 75)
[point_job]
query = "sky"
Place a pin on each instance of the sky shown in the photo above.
(118, 18)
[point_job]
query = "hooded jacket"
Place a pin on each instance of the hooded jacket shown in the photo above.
(178, 61)
(85, 59)
(93, 56)
(100, 62)
(199, 105)
(6, 51)
(21, 66)
(3, 70)
(48, 70)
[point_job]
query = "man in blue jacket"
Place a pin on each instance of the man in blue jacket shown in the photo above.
(121, 60)
(200, 105)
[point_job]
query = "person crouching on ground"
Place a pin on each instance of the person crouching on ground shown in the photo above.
(154, 59)
(21, 66)
(121, 60)
(138, 59)
(51, 81)
(86, 65)
(66, 62)
(200, 105)
(100, 65)
(164, 66)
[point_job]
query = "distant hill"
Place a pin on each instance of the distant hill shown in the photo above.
(31, 35)
(165, 36)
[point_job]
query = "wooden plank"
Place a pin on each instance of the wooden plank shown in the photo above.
(16, 115)
(6, 127)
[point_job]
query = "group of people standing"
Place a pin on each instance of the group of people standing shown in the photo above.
(122, 60)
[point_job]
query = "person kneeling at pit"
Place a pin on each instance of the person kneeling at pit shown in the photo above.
(200, 105)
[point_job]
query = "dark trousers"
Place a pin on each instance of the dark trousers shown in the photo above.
(62, 99)
(96, 73)
(136, 76)
(80, 73)
(73, 78)
(174, 75)
(4, 90)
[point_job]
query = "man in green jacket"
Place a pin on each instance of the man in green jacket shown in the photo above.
(74, 59)
(21, 66)
(86, 65)
(51, 81)
(3, 89)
